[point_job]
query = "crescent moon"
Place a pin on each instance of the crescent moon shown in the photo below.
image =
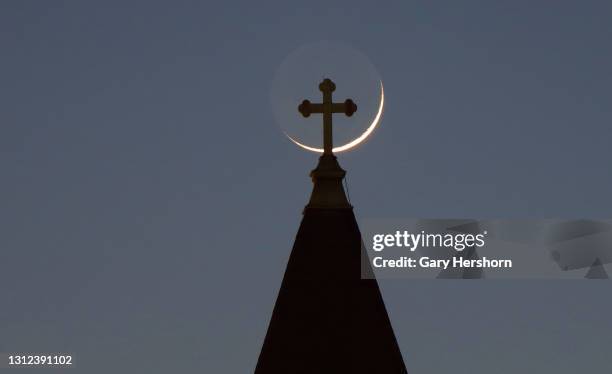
(353, 143)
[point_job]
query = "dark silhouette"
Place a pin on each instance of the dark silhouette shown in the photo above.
(327, 108)
(327, 319)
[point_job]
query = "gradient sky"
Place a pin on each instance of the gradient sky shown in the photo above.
(149, 201)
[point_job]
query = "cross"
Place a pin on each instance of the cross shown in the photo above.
(327, 108)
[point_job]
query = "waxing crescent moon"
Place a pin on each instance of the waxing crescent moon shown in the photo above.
(353, 143)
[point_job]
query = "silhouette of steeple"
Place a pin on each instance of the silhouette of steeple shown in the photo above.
(327, 319)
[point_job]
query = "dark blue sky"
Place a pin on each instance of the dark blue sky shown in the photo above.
(149, 201)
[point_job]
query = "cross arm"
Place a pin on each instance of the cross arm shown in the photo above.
(307, 108)
(348, 107)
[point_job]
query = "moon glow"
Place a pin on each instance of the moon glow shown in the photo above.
(353, 143)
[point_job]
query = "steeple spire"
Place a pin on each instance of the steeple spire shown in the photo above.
(328, 175)
(328, 318)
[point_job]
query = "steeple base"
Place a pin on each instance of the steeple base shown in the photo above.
(328, 192)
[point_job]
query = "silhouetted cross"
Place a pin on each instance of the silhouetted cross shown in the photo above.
(327, 108)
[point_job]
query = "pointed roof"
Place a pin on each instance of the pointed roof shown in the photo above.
(327, 319)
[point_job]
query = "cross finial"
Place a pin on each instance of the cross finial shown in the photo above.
(327, 107)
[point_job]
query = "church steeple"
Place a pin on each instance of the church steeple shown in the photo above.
(327, 317)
